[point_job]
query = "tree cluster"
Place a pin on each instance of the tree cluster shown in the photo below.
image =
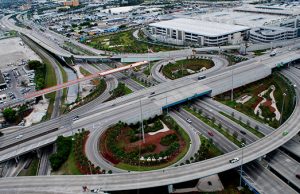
(40, 73)
(64, 146)
(83, 163)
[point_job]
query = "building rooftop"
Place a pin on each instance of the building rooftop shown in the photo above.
(239, 18)
(204, 28)
(2, 80)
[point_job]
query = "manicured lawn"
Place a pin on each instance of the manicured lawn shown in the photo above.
(138, 81)
(179, 68)
(127, 90)
(282, 85)
(50, 80)
(147, 71)
(215, 126)
(232, 59)
(252, 130)
(259, 52)
(84, 71)
(69, 167)
(121, 90)
(76, 49)
(170, 122)
(213, 150)
(124, 42)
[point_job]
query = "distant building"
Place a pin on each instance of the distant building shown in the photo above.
(272, 34)
(196, 32)
(72, 3)
(2, 81)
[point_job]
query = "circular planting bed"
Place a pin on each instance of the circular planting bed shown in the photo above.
(188, 66)
(165, 143)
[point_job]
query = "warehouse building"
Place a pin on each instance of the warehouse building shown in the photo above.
(184, 31)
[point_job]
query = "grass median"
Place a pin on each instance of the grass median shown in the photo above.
(214, 125)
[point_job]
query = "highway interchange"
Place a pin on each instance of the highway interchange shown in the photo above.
(126, 109)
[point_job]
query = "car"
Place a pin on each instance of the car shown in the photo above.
(234, 160)
(298, 176)
(295, 86)
(209, 183)
(210, 133)
(285, 133)
(188, 120)
(19, 136)
(152, 93)
(75, 118)
(243, 132)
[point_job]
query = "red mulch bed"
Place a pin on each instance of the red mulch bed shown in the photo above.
(150, 139)
(259, 99)
(268, 104)
(105, 152)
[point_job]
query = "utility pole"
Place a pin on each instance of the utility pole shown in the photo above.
(143, 133)
(284, 94)
(167, 105)
(232, 84)
(241, 170)
(148, 60)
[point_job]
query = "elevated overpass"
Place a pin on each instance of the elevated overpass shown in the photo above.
(76, 81)
(128, 109)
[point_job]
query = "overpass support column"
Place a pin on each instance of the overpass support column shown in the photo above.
(39, 153)
(17, 159)
(170, 188)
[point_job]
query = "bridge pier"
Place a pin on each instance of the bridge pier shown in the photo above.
(39, 153)
(170, 188)
(17, 159)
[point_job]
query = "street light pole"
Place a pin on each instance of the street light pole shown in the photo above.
(143, 133)
(284, 94)
(232, 84)
(241, 171)
(148, 60)
(167, 104)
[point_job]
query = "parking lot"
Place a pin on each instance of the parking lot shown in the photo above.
(18, 83)
(13, 52)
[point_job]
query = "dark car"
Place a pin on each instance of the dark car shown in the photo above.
(298, 176)
(210, 133)
(243, 132)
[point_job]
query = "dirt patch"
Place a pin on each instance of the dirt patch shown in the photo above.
(150, 140)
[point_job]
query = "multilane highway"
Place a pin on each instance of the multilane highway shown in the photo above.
(125, 181)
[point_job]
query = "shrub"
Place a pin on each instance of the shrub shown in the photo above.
(64, 146)
(168, 139)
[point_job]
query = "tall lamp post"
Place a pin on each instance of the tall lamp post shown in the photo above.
(142, 124)
(232, 83)
(284, 94)
(241, 171)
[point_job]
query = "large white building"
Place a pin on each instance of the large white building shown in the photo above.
(184, 31)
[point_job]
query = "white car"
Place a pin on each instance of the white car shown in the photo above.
(76, 118)
(234, 160)
(189, 120)
(19, 136)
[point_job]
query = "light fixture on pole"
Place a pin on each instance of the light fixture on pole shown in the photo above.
(284, 94)
(241, 170)
(142, 123)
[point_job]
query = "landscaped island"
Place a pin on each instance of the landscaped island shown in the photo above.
(270, 100)
(165, 143)
(188, 66)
